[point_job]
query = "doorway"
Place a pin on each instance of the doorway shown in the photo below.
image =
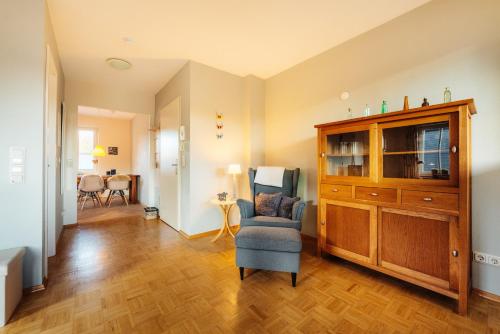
(170, 178)
(113, 142)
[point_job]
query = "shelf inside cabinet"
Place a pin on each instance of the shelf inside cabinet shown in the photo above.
(346, 155)
(415, 152)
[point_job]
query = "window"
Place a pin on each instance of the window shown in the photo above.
(86, 143)
(435, 142)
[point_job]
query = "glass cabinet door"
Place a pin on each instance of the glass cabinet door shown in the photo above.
(424, 151)
(347, 154)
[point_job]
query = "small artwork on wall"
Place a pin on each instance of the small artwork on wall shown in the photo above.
(112, 150)
(219, 124)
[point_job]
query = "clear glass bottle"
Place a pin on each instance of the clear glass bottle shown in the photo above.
(367, 111)
(349, 113)
(447, 95)
(384, 107)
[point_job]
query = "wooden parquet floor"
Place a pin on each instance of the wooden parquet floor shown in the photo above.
(134, 276)
(91, 214)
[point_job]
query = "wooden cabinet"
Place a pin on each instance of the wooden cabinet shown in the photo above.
(394, 195)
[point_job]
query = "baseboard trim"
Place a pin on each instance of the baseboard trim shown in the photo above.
(58, 244)
(234, 229)
(308, 237)
(36, 288)
(486, 295)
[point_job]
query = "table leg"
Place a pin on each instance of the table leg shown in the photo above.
(226, 220)
(220, 233)
(225, 224)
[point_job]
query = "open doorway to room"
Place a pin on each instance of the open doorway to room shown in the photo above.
(114, 164)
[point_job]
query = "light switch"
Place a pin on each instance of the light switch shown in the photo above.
(17, 161)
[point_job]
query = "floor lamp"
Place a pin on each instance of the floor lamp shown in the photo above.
(234, 170)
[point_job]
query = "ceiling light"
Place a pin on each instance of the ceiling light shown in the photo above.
(118, 64)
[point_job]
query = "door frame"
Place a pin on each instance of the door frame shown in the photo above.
(176, 101)
(50, 149)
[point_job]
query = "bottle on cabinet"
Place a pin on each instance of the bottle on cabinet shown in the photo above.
(366, 111)
(447, 95)
(384, 108)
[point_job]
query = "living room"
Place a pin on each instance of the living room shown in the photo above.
(364, 117)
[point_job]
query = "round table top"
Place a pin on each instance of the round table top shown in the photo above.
(226, 202)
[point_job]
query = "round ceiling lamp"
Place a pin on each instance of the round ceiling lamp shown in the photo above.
(118, 64)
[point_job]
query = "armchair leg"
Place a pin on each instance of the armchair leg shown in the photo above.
(242, 273)
(294, 279)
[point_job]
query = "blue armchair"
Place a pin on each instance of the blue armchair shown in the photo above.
(247, 208)
(270, 243)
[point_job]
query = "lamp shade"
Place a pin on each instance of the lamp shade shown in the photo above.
(98, 151)
(234, 169)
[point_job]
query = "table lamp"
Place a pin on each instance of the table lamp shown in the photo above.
(234, 169)
(98, 151)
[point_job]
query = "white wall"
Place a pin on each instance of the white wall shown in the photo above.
(25, 30)
(111, 132)
(213, 91)
(85, 94)
(142, 157)
(205, 91)
(443, 43)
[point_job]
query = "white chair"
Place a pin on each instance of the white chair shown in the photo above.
(90, 186)
(117, 185)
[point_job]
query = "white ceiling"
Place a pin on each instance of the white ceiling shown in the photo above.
(99, 112)
(260, 37)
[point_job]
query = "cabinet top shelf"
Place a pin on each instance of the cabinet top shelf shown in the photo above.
(380, 117)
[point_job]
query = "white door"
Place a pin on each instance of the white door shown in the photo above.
(51, 163)
(169, 164)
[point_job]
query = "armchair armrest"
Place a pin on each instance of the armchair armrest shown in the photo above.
(246, 208)
(298, 210)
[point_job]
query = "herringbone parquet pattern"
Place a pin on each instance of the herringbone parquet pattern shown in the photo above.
(135, 276)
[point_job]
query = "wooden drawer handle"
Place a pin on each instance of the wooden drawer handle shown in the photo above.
(373, 194)
(427, 199)
(335, 190)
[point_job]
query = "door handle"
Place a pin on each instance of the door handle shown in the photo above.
(174, 165)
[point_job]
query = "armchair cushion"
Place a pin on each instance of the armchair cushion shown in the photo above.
(269, 239)
(247, 209)
(298, 210)
(286, 205)
(267, 204)
(271, 222)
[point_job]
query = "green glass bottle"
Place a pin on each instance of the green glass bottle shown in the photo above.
(384, 108)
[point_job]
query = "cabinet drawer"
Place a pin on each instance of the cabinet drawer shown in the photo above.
(443, 201)
(388, 195)
(336, 191)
